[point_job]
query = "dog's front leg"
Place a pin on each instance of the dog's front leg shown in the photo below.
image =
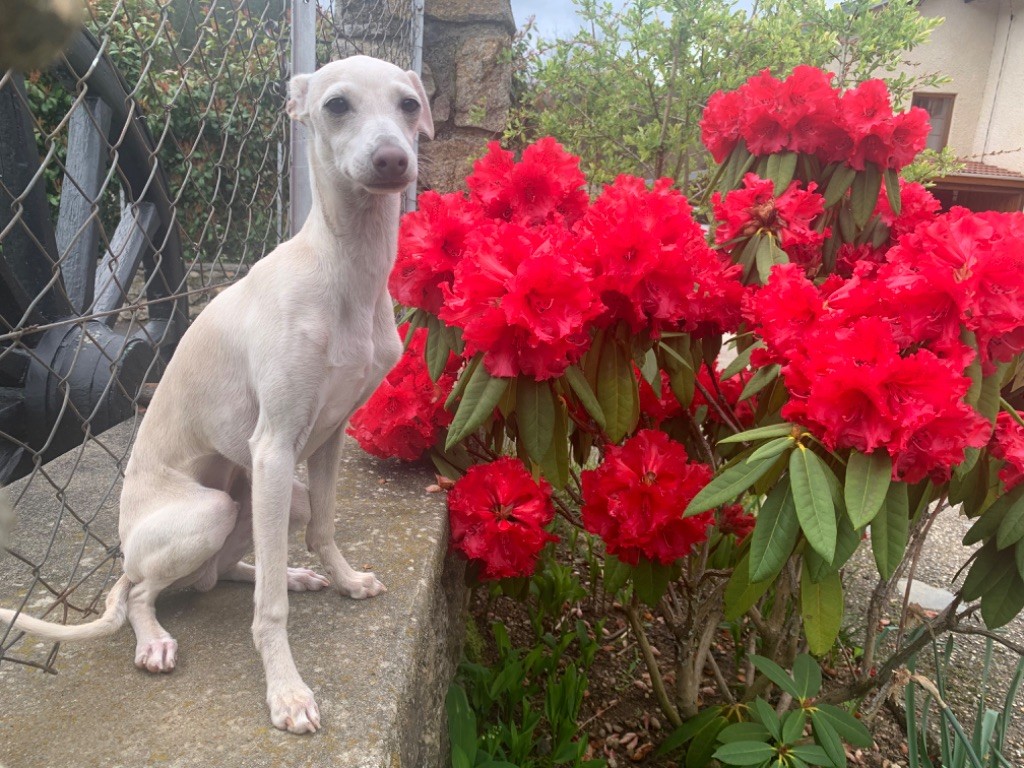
(291, 702)
(323, 481)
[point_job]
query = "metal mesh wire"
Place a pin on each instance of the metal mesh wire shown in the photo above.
(142, 174)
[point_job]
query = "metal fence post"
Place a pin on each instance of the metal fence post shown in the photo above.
(303, 61)
(417, 67)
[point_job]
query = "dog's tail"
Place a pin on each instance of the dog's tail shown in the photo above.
(112, 619)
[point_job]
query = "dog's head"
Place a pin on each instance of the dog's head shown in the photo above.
(363, 115)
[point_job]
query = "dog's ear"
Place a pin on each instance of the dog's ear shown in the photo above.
(298, 90)
(426, 122)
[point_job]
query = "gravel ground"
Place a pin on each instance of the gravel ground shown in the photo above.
(942, 557)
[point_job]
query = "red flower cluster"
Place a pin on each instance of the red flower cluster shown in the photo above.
(405, 415)
(735, 520)
(857, 380)
(788, 218)
(805, 113)
(497, 513)
(526, 268)
(1008, 444)
(650, 265)
(635, 499)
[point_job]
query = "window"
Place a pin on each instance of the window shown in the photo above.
(939, 107)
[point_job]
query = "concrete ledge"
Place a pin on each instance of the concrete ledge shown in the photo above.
(380, 668)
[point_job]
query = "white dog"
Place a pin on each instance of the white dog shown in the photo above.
(267, 377)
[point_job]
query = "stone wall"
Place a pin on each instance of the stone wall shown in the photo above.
(467, 72)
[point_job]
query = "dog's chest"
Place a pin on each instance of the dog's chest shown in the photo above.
(350, 377)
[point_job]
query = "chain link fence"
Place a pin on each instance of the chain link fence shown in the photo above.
(139, 176)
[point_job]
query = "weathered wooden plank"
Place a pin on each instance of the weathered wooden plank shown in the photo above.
(131, 240)
(78, 222)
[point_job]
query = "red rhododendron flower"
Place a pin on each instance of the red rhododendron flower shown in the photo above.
(1008, 444)
(657, 406)
(788, 218)
(635, 499)
(720, 124)
(405, 415)
(545, 186)
(805, 114)
(649, 262)
(734, 519)
(520, 298)
(497, 513)
(430, 243)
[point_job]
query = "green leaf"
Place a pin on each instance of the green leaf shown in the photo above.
(866, 187)
(821, 606)
(867, 480)
(461, 724)
(729, 484)
(744, 753)
(764, 714)
(438, 348)
(776, 674)
(989, 522)
(688, 730)
(1011, 528)
(753, 435)
(650, 580)
(986, 564)
(617, 391)
(740, 592)
(812, 753)
(829, 740)
(841, 180)
(462, 381)
(683, 384)
(775, 533)
(744, 732)
(890, 530)
(849, 728)
(807, 675)
(616, 573)
(793, 726)
(765, 258)
(555, 463)
(781, 167)
(847, 542)
(1018, 555)
(741, 361)
(478, 403)
(1004, 593)
(892, 190)
(813, 499)
(535, 416)
(762, 378)
(773, 448)
(578, 383)
(698, 755)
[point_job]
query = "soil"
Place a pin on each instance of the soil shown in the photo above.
(625, 725)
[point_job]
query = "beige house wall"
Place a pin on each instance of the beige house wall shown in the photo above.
(980, 47)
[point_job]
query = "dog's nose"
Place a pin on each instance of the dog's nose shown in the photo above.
(390, 162)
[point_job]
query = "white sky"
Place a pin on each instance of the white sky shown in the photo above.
(554, 17)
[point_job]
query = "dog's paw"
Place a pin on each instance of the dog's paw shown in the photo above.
(158, 655)
(305, 580)
(294, 710)
(360, 585)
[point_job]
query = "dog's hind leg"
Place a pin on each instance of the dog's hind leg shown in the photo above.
(323, 479)
(155, 649)
(299, 579)
(176, 544)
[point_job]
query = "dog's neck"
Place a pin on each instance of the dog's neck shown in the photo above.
(361, 228)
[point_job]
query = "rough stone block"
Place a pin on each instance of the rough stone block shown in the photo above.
(447, 162)
(483, 83)
(380, 668)
(472, 11)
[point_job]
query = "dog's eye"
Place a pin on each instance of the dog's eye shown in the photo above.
(410, 105)
(337, 106)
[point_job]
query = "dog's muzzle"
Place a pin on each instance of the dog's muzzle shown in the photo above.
(390, 168)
